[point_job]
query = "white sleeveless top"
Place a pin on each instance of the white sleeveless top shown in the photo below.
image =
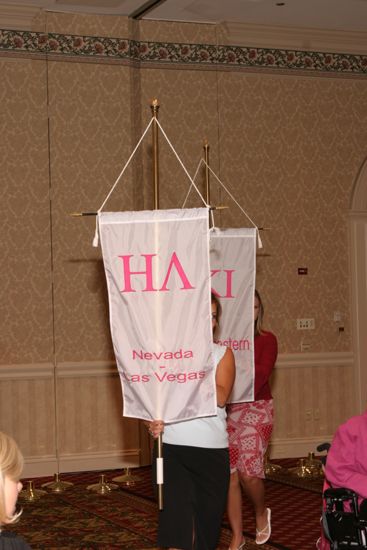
(209, 432)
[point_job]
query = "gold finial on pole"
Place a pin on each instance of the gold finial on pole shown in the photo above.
(155, 107)
(207, 181)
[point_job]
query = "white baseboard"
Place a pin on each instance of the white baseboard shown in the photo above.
(40, 466)
(83, 462)
(297, 447)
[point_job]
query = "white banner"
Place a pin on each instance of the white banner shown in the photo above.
(158, 279)
(233, 269)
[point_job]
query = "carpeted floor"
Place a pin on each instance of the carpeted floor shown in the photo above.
(127, 517)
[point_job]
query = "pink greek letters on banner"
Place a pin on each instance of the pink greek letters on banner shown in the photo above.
(232, 262)
(158, 279)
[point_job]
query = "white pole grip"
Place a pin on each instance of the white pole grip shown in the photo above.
(159, 471)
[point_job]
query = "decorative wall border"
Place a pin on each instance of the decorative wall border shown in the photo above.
(179, 54)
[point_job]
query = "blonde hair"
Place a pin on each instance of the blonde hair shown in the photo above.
(215, 300)
(260, 318)
(11, 466)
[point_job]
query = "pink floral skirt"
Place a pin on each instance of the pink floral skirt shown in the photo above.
(249, 428)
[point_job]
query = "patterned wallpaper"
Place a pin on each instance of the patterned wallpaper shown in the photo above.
(26, 325)
(75, 100)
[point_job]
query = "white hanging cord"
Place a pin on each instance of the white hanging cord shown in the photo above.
(194, 178)
(236, 202)
(96, 238)
(180, 161)
(189, 191)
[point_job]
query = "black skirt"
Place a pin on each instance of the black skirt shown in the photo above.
(195, 491)
(11, 541)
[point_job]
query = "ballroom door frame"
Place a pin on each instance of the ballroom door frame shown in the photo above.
(358, 256)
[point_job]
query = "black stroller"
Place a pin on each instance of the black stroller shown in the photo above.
(344, 520)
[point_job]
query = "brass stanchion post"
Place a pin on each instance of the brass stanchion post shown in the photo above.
(30, 493)
(160, 471)
(154, 107)
(127, 478)
(207, 175)
(102, 487)
(57, 485)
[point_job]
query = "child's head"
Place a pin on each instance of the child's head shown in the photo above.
(11, 467)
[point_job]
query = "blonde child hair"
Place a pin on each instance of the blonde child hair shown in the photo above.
(11, 466)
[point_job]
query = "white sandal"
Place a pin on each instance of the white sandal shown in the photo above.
(240, 547)
(263, 535)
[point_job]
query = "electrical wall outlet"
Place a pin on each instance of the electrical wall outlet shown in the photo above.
(305, 324)
(305, 347)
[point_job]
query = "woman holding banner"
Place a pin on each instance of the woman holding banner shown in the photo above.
(196, 467)
(249, 428)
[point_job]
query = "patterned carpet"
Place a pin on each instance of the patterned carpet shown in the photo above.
(127, 517)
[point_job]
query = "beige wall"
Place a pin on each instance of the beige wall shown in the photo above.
(289, 145)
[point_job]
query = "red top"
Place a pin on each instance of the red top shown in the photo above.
(266, 351)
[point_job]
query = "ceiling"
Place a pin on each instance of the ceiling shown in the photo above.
(336, 15)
